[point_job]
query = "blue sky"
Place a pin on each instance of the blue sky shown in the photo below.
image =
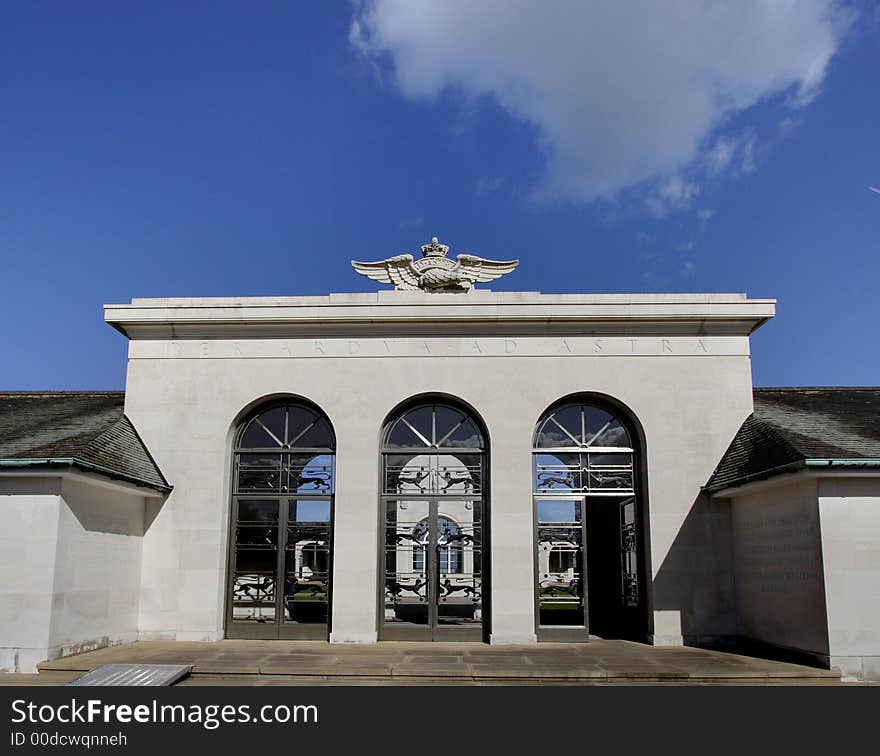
(222, 149)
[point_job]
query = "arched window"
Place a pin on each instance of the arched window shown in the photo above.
(283, 483)
(584, 476)
(433, 504)
(583, 448)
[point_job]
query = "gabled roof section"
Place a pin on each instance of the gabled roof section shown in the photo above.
(796, 428)
(87, 430)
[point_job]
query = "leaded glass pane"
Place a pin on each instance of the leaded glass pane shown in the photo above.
(304, 510)
(578, 425)
(256, 436)
(567, 420)
(318, 436)
(422, 422)
(299, 421)
(310, 473)
(557, 472)
(407, 473)
(257, 511)
(274, 422)
(458, 474)
(260, 472)
(446, 419)
(465, 436)
(402, 437)
(611, 434)
(610, 472)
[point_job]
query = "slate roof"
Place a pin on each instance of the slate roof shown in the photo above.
(87, 430)
(796, 428)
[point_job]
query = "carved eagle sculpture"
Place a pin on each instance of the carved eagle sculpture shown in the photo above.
(434, 271)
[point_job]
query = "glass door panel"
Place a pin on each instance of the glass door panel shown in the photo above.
(407, 562)
(433, 569)
(281, 566)
(560, 562)
(459, 561)
(254, 594)
(307, 562)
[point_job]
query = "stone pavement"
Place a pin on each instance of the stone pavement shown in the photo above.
(251, 662)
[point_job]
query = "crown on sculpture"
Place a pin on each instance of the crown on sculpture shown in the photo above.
(434, 271)
(435, 249)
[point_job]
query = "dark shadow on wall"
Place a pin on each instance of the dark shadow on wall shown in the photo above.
(152, 507)
(130, 516)
(696, 579)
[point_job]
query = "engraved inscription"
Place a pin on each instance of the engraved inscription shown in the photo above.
(571, 346)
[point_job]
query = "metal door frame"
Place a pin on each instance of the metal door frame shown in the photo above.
(279, 629)
(561, 633)
(433, 630)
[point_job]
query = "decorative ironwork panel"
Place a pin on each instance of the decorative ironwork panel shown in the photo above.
(442, 474)
(557, 473)
(259, 472)
(310, 474)
(566, 472)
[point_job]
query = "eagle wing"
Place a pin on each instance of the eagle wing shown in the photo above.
(397, 270)
(480, 269)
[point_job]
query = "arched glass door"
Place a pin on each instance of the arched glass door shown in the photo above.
(433, 505)
(586, 524)
(281, 542)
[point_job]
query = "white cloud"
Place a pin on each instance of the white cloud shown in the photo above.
(620, 93)
(748, 160)
(672, 195)
(704, 215)
(720, 155)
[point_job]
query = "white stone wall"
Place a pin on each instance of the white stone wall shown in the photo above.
(780, 590)
(29, 512)
(186, 398)
(97, 568)
(70, 558)
(849, 512)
